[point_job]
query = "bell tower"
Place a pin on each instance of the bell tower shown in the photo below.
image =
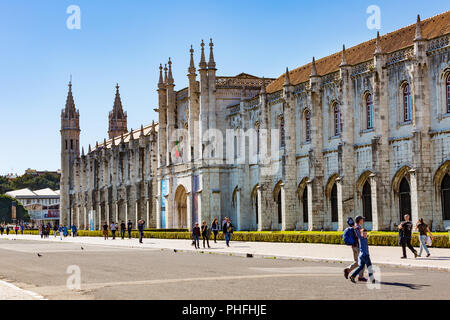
(70, 150)
(117, 118)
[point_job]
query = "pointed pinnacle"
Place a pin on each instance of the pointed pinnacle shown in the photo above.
(418, 29)
(313, 68)
(161, 81)
(142, 130)
(287, 80)
(344, 59)
(211, 63)
(378, 44)
(191, 69)
(202, 63)
(82, 151)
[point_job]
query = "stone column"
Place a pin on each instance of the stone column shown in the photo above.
(137, 212)
(85, 218)
(99, 217)
(373, 189)
(340, 204)
(147, 216)
(117, 211)
(259, 213)
(311, 218)
(199, 213)
(189, 210)
(284, 223)
(158, 212)
(414, 198)
(238, 209)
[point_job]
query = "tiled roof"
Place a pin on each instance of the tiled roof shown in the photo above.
(431, 28)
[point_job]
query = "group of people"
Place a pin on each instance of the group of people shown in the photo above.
(123, 229)
(63, 230)
(356, 237)
(205, 232)
(6, 229)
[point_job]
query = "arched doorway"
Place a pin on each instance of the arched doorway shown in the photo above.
(445, 196)
(404, 198)
(279, 208)
(278, 198)
(180, 208)
(305, 204)
(334, 203)
(255, 205)
(367, 201)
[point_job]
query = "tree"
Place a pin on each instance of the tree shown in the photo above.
(6, 211)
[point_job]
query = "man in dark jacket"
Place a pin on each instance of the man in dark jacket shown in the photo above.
(228, 230)
(205, 234)
(141, 224)
(196, 235)
(129, 227)
(122, 230)
(359, 221)
(405, 234)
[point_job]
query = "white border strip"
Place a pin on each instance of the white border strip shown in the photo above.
(26, 292)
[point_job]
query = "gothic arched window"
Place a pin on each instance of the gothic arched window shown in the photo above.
(407, 108)
(305, 204)
(404, 198)
(369, 111)
(279, 204)
(367, 201)
(447, 92)
(336, 119)
(445, 194)
(282, 135)
(307, 126)
(334, 204)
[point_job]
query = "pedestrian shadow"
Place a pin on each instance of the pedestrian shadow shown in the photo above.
(405, 285)
(435, 258)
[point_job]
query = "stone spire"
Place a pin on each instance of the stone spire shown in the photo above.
(202, 63)
(170, 76)
(313, 68)
(117, 117)
(82, 151)
(263, 86)
(191, 69)
(418, 30)
(165, 73)
(89, 150)
(211, 63)
(142, 131)
(344, 59)
(131, 135)
(287, 80)
(70, 110)
(378, 45)
(161, 80)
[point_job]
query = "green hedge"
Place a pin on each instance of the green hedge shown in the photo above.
(441, 240)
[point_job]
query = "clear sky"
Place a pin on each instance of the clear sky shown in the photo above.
(125, 40)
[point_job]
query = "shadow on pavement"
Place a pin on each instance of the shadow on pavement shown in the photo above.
(406, 285)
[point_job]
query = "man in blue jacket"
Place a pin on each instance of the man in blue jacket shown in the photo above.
(359, 221)
(364, 257)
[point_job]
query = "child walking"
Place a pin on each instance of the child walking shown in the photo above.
(364, 257)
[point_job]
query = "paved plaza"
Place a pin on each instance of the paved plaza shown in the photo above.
(170, 269)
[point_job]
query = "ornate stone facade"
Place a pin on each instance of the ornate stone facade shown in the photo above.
(363, 131)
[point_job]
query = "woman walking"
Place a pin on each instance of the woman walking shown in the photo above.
(205, 234)
(423, 229)
(215, 229)
(196, 235)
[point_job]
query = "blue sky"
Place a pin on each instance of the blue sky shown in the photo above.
(124, 41)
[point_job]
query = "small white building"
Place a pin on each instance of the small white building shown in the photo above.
(42, 205)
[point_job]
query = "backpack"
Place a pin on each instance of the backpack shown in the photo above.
(349, 236)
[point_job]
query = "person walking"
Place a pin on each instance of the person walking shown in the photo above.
(16, 229)
(223, 224)
(105, 230)
(122, 230)
(205, 234)
(2, 229)
(424, 230)
(228, 230)
(405, 234)
(356, 227)
(55, 229)
(7, 230)
(21, 228)
(141, 224)
(113, 230)
(74, 230)
(66, 231)
(215, 229)
(196, 236)
(61, 232)
(364, 256)
(130, 228)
